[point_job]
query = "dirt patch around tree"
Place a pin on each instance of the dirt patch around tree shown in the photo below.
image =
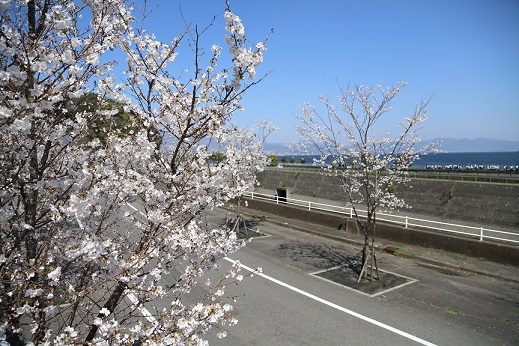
(347, 277)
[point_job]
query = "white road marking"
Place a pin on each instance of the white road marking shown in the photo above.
(152, 319)
(335, 306)
(135, 301)
(411, 281)
(133, 298)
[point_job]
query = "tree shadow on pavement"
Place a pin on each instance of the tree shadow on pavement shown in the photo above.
(337, 264)
(320, 256)
(246, 228)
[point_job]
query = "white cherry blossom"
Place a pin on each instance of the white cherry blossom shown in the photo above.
(105, 178)
(369, 162)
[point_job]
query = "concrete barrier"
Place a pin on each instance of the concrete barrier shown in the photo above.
(481, 204)
(495, 252)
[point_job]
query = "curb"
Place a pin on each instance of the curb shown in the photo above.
(426, 261)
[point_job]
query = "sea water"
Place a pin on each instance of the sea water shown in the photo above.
(463, 160)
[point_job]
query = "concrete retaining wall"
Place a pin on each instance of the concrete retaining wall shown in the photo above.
(496, 252)
(482, 204)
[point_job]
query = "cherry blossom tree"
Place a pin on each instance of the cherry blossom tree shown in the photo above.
(264, 129)
(369, 161)
(104, 242)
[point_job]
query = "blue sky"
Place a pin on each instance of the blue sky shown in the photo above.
(462, 53)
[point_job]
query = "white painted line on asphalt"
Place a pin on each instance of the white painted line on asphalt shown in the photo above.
(335, 306)
(135, 301)
(133, 298)
(152, 319)
(135, 209)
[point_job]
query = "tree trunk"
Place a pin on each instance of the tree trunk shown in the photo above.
(368, 252)
(110, 304)
(365, 250)
(29, 190)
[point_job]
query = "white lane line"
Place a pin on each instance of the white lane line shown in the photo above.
(335, 306)
(133, 298)
(135, 301)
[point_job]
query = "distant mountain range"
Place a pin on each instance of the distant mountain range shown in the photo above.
(450, 145)
(478, 145)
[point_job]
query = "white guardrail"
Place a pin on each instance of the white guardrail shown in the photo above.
(471, 231)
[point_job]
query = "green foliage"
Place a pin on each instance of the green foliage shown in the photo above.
(398, 250)
(393, 250)
(451, 310)
(261, 218)
(451, 192)
(448, 195)
(284, 180)
(273, 159)
(392, 188)
(216, 158)
(121, 124)
(303, 160)
(292, 160)
(284, 160)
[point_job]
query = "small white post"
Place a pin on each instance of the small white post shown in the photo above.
(277, 199)
(309, 205)
(481, 234)
(406, 221)
(351, 212)
(252, 195)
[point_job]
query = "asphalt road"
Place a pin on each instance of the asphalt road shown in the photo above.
(287, 305)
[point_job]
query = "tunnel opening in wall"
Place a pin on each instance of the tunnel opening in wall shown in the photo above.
(282, 194)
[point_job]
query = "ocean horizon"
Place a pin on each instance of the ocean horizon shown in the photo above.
(487, 160)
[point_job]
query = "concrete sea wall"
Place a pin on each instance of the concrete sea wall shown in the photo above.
(485, 204)
(495, 252)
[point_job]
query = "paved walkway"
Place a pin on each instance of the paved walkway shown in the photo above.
(440, 259)
(455, 300)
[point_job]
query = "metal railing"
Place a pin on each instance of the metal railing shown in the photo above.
(481, 233)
